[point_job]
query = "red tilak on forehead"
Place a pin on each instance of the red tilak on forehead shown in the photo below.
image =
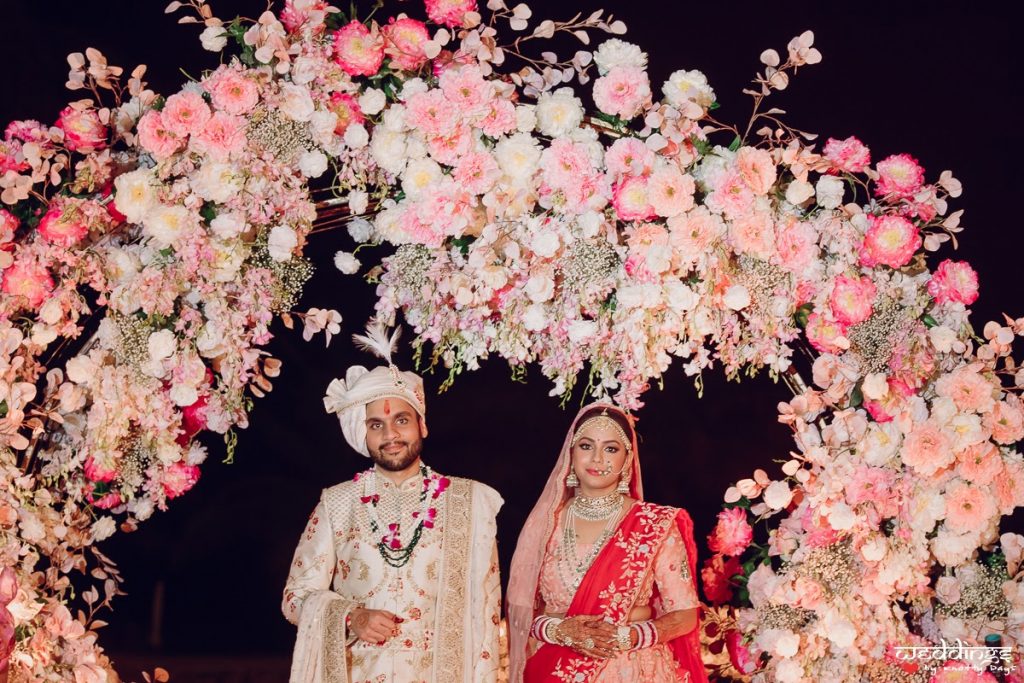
(387, 407)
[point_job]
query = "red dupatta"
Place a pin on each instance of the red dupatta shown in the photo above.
(610, 589)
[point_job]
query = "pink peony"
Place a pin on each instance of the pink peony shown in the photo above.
(732, 534)
(346, 108)
(796, 245)
(891, 241)
(476, 172)
(870, 485)
(899, 176)
(98, 471)
(980, 463)
(970, 391)
(670, 192)
(968, 508)
(730, 195)
(63, 225)
(624, 91)
(29, 280)
(432, 113)
(716, 576)
(1006, 421)
(826, 335)
(358, 51)
(449, 12)
(756, 168)
(83, 130)
(155, 137)
(403, 42)
(629, 156)
(954, 281)
(631, 201)
(233, 92)
(849, 155)
(466, 88)
(852, 298)
(223, 136)
(186, 113)
(927, 449)
(179, 478)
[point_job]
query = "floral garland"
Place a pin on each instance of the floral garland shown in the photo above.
(146, 245)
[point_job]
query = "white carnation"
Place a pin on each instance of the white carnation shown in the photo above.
(558, 112)
(346, 262)
(679, 296)
(876, 386)
(518, 156)
(103, 528)
(540, 288)
(526, 119)
(582, 330)
(535, 319)
(214, 38)
(227, 225)
(217, 182)
(360, 229)
(356, 136)
(281, 242)
(829, 190)
(545, 243)
(614, 52)
(841, 516)
(372, 101)
(942, 338)
(358, 200)
(737, 297)
(778, 495)
(162, 344)
(798, 192)
(183, 394)
(787, 644)
(313, 164)
(388, 150)
(135, 194)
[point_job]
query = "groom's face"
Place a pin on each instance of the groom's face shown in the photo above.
(394, 436)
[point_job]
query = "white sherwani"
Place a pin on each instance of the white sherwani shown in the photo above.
(448, 594)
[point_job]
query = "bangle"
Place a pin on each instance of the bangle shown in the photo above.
(647, 634)
(543, 629)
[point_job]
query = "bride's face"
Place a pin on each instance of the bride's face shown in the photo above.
(598, 458)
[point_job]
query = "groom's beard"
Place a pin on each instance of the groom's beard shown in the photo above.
(399, 460)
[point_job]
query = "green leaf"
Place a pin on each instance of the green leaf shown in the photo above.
(929, 321)
(208, 212)
(3, 408)
(335, 20)
(735, 144)
(802, 314)
(713, 106)
(857, 396)
(462, 243)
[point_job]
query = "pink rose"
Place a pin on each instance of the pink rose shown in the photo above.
(97, 471)
(624, 91)
(403, 42)
(63, 225)
(358, 51)
(716, 575)
(849, 155)
(186, 113)
(739, 654)
(83, 130)
(179, 478)
(105, 501)
(890, 241)
(347, 110)
(193, 420)
(732, 534)
(824, 334)
(631, 201)
(222, 137)
(449, 12)
(954, 281)
(899, 176)
(852, 299)
(233, 92)
(155, 137)
(29, 280)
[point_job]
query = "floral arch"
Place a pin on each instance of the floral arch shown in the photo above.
(598, 245)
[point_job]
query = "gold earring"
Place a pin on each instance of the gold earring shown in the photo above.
(623, 486)
(571, 481)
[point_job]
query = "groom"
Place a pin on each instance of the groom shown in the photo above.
(396, 576)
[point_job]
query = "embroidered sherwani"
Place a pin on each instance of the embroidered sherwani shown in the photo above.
(447, 595)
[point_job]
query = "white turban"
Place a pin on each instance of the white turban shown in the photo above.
(348, 397)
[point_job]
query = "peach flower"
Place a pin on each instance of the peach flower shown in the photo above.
(1006, 421)
(968, 508)
(757, 169)
(980, 463)
(927, 449)
(185, 113)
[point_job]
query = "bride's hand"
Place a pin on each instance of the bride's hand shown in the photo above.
(589, 635)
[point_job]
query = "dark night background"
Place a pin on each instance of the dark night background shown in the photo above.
(939, 81)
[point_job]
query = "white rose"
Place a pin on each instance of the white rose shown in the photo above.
(540, 288)
(535, 319)
(210, 341)
(777, 495)
(183, 394)
(134, 194)
(631, 296)
(829, 190)
(227, 225)
(526, 119)
(590, 223)
(798, 192)
(558, 112)
(51, 312)
(679, 296)
(545, 243)
(875, 549)
(303, 70)
(214, 38)
(313, 164)
(419, 175)
(217, 182)
(296, 102)
(322, 125)
(841, 632)
(372, 101)
(122, 264)
(942, 338)
(582, 330)
(411, 87)
(196, 454)
(393, 119)
(614, 52)
(282, 242)
(737, 297)
(162, 344)
(81, 370)
(356, 136)
(876, 386)
(685, 87)
(142, 508)
(166, 223)
(345, 262)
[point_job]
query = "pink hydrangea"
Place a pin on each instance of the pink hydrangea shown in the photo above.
(927, 449)
(29, 280)
(849, 155)
(346, 108)
(83, 130)
(954, 281)
(732, 534)
(357, 50)
(63, 225)
(403, 42)
(155, 137)
(899, 176)
(624, 91)
(179, 478)
(825, 334)
(631, 200)
(232, 91)
(186, 113)
(852, 299)
(891, 241)
(629, 156)
(449, 12)
(223, 136)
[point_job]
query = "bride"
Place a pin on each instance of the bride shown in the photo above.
(602, 586)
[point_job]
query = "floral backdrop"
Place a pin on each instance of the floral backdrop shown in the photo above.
(556, 210)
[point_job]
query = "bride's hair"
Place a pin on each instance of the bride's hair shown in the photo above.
(618, 417)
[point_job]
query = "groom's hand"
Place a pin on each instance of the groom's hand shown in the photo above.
(374, 626)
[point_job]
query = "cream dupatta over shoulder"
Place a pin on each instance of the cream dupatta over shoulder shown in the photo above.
(448, 594)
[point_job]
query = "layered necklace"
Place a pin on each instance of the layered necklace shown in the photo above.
(606, 508)
(390, 544)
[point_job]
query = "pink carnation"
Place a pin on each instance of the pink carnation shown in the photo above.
(624, 91)
(28, 131)
(1006, 421)
(756, 168)
(852, 298)
(155, 137)
(927, 449)
(890, 241)
(954, 281)
(448, 149)
(403, 42)
(980, 463)
(968, 508)
(970, 391)
(849, 155)
(899, 176)
(346, 108)
(870, 485)
(63, 225)
(83, 130)
(29, 280)
(223, 136)
(466, 88)
(631, 201)
(186, 113)
(179, 478)
(432, 113)
(449, 12)
(500, 119)
(233, 92)
(358, 51)
(796, 245)
(629, 156)
(670, 192)
(716, 576)
(732, 534)
(476, 172)
(825, 334)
